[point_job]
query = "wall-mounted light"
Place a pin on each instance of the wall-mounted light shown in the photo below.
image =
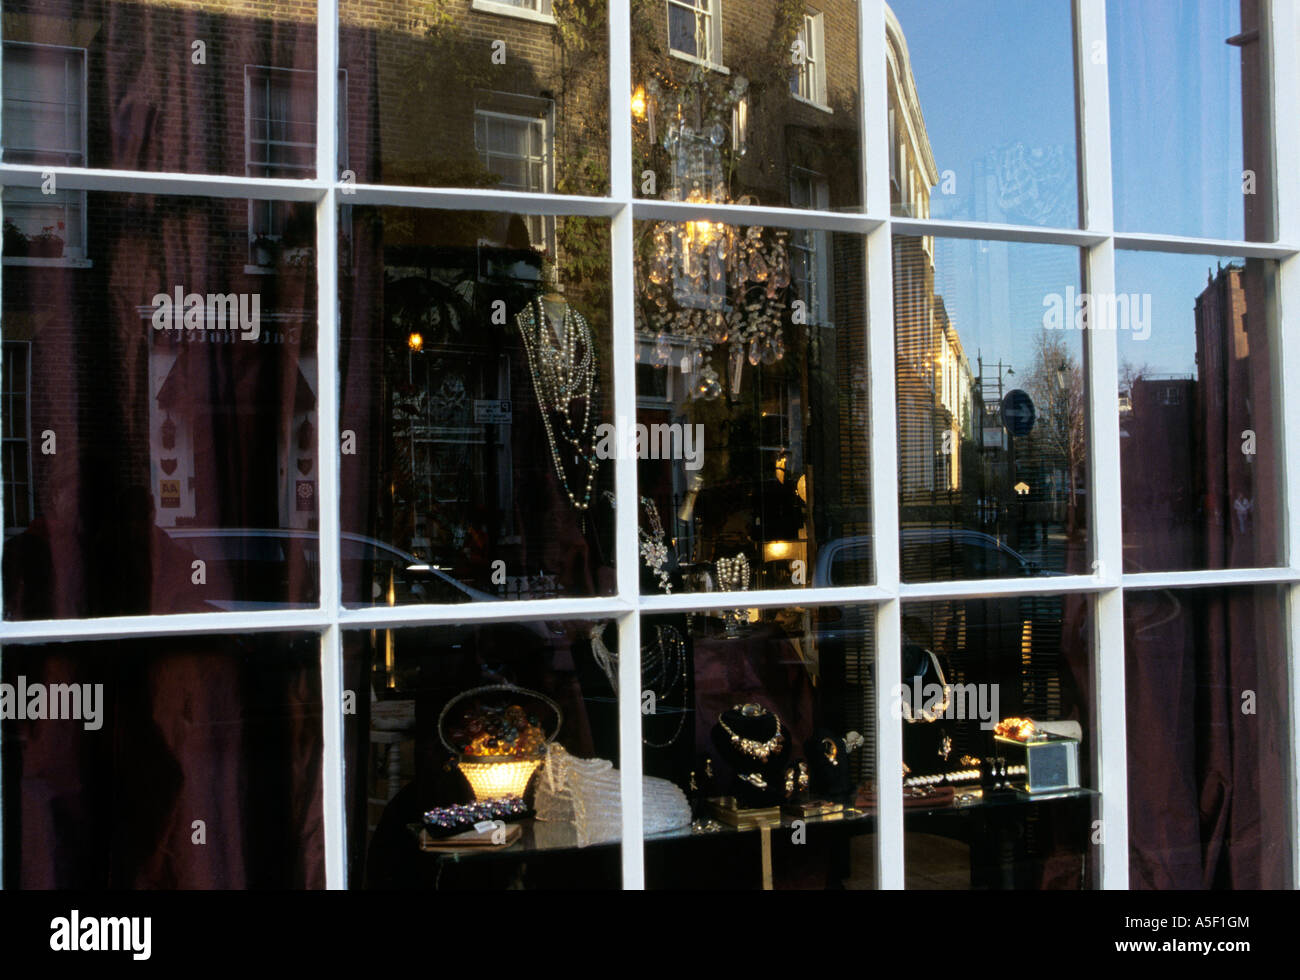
(415, 341)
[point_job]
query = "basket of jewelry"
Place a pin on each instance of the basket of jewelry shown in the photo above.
(498, 735)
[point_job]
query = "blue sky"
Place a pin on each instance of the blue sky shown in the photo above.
(997, 75)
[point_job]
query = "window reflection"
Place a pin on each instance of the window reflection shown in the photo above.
(476, 384)
(743, 103)
(752, 407)
(1189, 109)
(196, 760)
(160, 418)
(1207, 723)
(1198, 438)
(982, 111)
(992, 442)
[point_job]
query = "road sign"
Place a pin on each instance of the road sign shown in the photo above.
(1018, 413)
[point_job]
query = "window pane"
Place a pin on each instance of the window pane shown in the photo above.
(460, 715)
(753, 449)
(477, 387)
(1199, 443)
(737, 136)
(172, 426)
(446, 95)
(991, 803)
(992, 447)
(1207, 735)
(763, 720)
(171, 763)
(75, 92)
(1189, 107)
(983, 97)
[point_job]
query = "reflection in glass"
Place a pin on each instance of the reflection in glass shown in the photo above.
(160, 429)
(991, 428)
(995, 699)
(1199, 446)
(1189, 108)
(754, 103)
(511, 718)
(176, 763)
(476, 381)
(1207, 734)
(772, 729)
(752, 397)
(227, 91)
(511, 96)
(982, 111)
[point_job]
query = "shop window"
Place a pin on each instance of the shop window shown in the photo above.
(808, 79)
(694, 30)
(44, 123)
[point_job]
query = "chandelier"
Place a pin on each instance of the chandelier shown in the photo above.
(706, 283)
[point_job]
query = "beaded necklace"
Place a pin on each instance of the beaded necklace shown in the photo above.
(663, 670)
(562, 374)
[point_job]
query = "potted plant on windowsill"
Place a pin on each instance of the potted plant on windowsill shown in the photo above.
(265, 251)
(47, 245)
(16, 244)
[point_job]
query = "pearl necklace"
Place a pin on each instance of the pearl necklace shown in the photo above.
(733, 573)
(663, 666)
(562, 374)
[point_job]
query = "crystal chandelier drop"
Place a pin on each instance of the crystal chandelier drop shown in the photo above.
(707, 283)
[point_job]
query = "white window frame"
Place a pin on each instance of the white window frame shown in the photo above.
(1107, 583)
(25, 439)
(546, 121)
(811, 75)
(538, 11)
(72, 257)
(250, 73)
(712, 16)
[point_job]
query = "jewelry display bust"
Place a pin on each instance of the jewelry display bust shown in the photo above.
(755, 745)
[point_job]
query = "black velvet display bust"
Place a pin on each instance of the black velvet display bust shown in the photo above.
(752, 726)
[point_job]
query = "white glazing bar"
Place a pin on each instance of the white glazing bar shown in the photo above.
(738, 214)
(1203, 246)
(181, 624)
(1284, 38)
(477, 199)
(626, 558)
(1212, 577)
(884, 447)
(763, 599)
(984, 231)
(333, 782)
(525, 610)
(144, 182)
(1102, 355)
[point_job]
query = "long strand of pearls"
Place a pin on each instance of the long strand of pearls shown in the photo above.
(562, 374)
